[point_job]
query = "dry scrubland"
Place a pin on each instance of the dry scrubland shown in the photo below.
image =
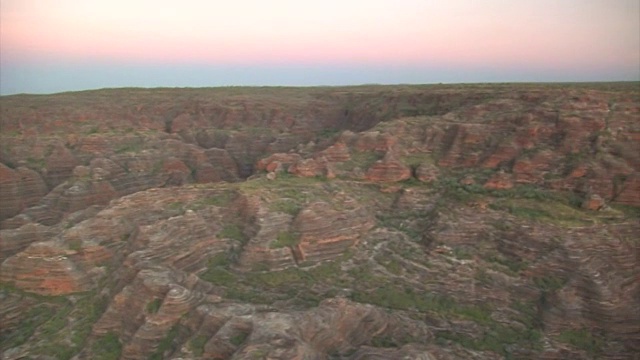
(373, 222)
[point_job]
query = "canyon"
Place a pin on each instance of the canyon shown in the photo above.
(475, 221)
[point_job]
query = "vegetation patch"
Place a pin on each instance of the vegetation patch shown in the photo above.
(415, 224)
(57, 322)
(175, 206)
(632, 212)
(233, 232)
(452, 189)
(196, 345)
(284, 239)
(70, 325)
(514, 266)
(394, 297)
(393, 266)
(167, 344)
(301, 287)
(362, 160)
(462, 253)
(133, 147)
(29, 323)
(416, 159)
(217, 199)
(107, 347)
(247, 295)
(74, 244)
(328, 133)
(239, 338)
(498, 339)
(36, 164)
(582, 339)
(549, 283)
(92, 130)
(153, 306)
(219, 276)
(545, 210)
(287, 206)
(274, 279)
(217, 271)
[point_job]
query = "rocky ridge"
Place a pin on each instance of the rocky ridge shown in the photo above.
(357, 223)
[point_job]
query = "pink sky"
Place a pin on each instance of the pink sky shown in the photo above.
(541, 34)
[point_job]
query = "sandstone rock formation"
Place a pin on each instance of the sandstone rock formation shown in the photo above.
(426, 222)
(389, 169)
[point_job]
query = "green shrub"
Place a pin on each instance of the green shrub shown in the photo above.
(284, 239)
(197, 344)
(582, 339)
(107, 347)
(217, 199)
(56, 322)
(27, 326)
(166, 344)
(75, 244)
(328, 133)
(71, 325)
(496, 339)
(287, 206)
(393, 266)
(417, 159)
(219, 276)
(153, 306)
(133, 147)
(248, 296)
(549, 283)
(514, 266)
(383, 342)
(462, 253)
(528, 212)
(175, 206)
(233, 232)
(239, 339)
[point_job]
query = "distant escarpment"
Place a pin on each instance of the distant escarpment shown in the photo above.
(423, 222)
(63, 153)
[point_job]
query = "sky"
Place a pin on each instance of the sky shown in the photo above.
(49, 46)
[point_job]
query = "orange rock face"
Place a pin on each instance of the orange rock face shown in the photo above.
(277, 161)
(325, 233)
(593, 202)
(427, 172)
(374, 141)
(19, 189)
(388, 169)
(44, 269)
(500, 181)
(338, 152)
(308, 168)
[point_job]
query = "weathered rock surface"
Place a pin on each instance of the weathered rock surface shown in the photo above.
(19, 189)
(325, 233)
(389, 169)
(46, 269)
(128, 232)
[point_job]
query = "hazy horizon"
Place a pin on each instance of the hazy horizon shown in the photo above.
(49, 46)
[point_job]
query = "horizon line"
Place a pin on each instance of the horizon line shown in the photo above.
(524, 82)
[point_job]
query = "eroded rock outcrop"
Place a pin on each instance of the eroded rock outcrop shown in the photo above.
(389, 169)
(46, 269)
(325, 232)
(19, 189)
(134, 219)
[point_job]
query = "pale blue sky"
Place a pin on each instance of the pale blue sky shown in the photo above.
(63, 45)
